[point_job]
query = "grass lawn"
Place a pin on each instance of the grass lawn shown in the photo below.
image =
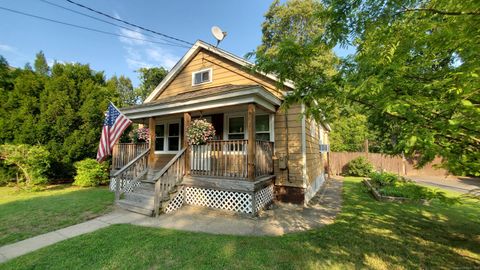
(24, 214)
(367, 234)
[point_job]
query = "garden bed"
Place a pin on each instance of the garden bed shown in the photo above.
(380, 197)
(390, 187)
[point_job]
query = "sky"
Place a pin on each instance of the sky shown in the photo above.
(21, 37)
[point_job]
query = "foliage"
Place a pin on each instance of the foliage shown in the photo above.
(414, 73)
(359, 166)
(7, 173)
(349, 132)
(389, 184)
(149, 79)
(41, 65)
(140, 135)
(32, 161)
(128, 96)
(24, 214)
(62, 110)
(366, 234)
(91, 173)
(199, 132)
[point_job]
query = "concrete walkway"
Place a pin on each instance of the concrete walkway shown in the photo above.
(454, 183)
(281, 219)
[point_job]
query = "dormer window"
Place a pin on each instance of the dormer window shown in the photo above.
(202, 76)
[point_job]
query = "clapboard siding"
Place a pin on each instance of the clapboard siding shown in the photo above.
(224, 72)
(295, 162)
(315, 160)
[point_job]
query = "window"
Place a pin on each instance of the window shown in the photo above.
(160, 138)
(173, 137)
(167, 137)
(236, 128)
(202, 76)
(262, 127)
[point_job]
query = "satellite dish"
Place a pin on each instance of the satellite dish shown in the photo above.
(218, 34)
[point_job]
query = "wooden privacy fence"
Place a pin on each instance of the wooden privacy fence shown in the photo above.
(381, 162)
(123, 153)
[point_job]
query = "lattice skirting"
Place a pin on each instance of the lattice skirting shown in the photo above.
(126, 186)
(264, 197)
(177, 201)
(221, 199)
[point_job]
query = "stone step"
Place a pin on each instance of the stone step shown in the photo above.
(135, 207)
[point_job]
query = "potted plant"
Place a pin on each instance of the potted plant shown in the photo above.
(199, 132)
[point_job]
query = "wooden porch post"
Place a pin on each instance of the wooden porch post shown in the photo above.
(251, 141)
(151, 129)
(187, 118)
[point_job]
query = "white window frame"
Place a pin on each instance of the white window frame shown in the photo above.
(270, 125)
(226, 125)
(226, 117)
(210, 71)
(165, 136)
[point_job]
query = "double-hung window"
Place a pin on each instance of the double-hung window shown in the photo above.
(167, 137)
(236, 128)
(262, 127)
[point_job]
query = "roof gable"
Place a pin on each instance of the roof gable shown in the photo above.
(226, 67)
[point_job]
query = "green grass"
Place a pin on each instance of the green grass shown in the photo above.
(24, 214)
(367, 234)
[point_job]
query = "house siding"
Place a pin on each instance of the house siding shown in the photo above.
(295, 157)
(223, 72)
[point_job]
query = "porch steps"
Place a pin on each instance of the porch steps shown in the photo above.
(141, 199)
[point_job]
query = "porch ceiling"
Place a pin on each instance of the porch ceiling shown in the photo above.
(215, 97)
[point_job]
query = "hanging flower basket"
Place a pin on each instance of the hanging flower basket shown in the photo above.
(200, 132)
(140, 135)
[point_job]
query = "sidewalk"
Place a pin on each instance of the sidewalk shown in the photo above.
(283, 218)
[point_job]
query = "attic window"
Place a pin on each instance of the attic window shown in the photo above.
(202, 76)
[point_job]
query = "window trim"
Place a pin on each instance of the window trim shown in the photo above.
(165, 136)
(226, 125)
(210, 70)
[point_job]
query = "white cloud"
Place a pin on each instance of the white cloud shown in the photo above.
(7, 48)
(140, 53)
(132, 37)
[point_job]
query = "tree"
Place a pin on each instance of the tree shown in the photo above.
(415, 72)
(149, 79)
(41, 65)
(123, 86)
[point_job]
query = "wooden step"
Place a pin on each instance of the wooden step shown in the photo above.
(135, 207)
(139, 197)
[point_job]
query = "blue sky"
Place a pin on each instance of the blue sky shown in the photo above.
(22, 37)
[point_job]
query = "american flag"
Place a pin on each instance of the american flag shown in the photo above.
(113, 126)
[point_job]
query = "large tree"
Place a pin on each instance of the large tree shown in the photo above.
(149, 79)
(63, 111)
(415, 72)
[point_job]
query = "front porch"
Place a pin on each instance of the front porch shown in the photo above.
(234, 171)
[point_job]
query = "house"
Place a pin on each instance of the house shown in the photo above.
(260, 152)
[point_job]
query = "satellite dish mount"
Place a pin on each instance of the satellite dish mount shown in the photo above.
(218, 34)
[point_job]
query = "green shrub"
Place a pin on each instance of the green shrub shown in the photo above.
(7, 173)
(384, 178)
(389, 184)
(32, 161)
(90, 173)
(359, 167)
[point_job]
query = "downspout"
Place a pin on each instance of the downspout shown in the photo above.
(304, 148)
(286, 145)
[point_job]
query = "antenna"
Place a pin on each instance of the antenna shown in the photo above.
(218, 34)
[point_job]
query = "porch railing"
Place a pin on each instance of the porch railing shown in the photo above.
(220, 158)
(126, 178)
(263, 158)
(123, 153)
(170, 176)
